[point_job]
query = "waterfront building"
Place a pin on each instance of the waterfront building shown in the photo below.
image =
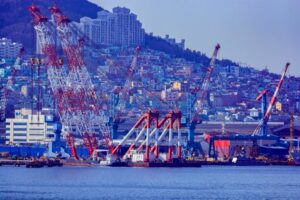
(119, 28)
(8, 48)
(28, 127)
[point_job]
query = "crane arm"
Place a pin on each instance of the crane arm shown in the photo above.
(272, 101)
(274, 97)
(205, 84)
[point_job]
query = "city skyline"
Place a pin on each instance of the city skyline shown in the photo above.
(260, 34)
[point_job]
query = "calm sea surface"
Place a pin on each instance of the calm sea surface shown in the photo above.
(208, 182)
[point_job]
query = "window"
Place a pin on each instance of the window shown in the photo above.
(36, 129)
(20, 123)
(20, 129)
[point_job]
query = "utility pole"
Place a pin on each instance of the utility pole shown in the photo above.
(32, 63)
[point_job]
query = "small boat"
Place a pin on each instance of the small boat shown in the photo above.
(104, 158)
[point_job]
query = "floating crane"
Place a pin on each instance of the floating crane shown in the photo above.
(56, 75)
(82, 96)
(77, 101)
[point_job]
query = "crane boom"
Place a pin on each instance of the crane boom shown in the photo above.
(274, 97)
(198, 103)
(124, 92)
(206, 81)
(132, 68)
(272, 101)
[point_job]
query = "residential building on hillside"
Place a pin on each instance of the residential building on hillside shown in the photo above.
(172, 41)
(119, 28)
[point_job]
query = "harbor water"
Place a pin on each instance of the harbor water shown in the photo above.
(207, 182)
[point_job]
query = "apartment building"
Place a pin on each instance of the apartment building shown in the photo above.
(119, 28)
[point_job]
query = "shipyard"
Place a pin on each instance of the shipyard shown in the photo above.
(131, 120)
(91, 99)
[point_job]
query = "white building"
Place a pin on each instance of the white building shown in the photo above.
(28, 128)
(119, 28)
(9, 49)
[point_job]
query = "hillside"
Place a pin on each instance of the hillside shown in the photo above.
(159, 44)
(15, 21)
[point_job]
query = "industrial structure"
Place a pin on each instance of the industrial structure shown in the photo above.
(77, 101)
(157, 136)
(262, 126)
(197, 97)
(71, 84)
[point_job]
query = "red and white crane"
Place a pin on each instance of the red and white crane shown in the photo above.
(56, 74)
(88, 115)
(272, 101)
(72, 87)
(154, 134)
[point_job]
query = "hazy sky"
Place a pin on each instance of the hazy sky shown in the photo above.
(261, 33)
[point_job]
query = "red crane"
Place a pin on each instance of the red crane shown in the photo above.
(88, 116)
(200, 94)
(267, 114)
(72, 88)
(205, 85)
(55, 72)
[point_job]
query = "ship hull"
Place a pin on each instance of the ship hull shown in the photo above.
(165, 164)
